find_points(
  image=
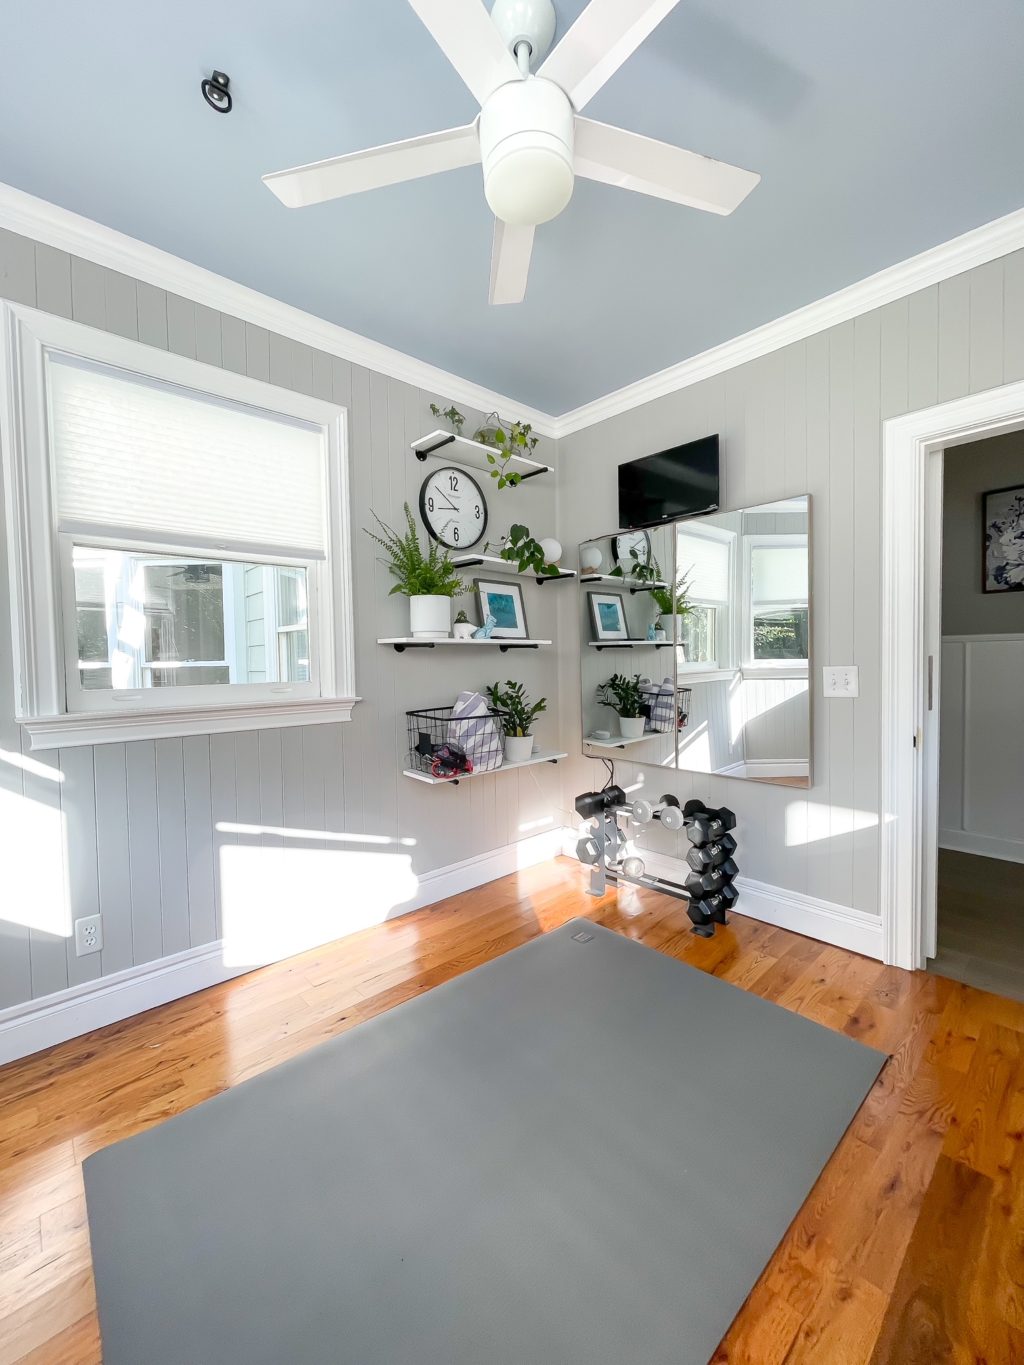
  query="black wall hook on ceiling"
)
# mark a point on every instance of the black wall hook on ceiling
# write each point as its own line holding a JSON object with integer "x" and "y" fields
{"x": 216, "y": 92}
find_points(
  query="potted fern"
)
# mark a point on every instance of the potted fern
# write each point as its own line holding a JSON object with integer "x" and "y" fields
{"x": 672, "y": 605}
{"x": 518, "y": 714}
{"x": 626, "y": 699}
{"x": 429, "y": 580}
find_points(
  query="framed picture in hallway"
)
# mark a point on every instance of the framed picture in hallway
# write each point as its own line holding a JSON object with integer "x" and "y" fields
{"x": 1003, "y": 545}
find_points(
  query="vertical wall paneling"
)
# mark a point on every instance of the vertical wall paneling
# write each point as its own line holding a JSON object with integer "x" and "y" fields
{"x": 170, "y": 795}
{"x": 181, "y": 326}
{"x": 144, "y": 850}
{"x": 152, "y": 306}
{"x": 1013, "y": 317}
{"x": 113, "y": 856}
{"x": 121, "y": 303}
{"x": 53, "y": 280}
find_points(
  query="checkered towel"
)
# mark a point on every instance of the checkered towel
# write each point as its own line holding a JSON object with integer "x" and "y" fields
{"x": 661, "y": 699}
{"x": 474, "y": 729}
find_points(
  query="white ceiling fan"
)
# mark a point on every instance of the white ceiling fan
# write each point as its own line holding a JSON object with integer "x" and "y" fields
{"x": 529, "y": 135}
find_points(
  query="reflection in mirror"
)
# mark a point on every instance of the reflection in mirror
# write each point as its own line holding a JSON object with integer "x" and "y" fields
{"x": 626, "y": 636}
{"x": 743, "y": 642}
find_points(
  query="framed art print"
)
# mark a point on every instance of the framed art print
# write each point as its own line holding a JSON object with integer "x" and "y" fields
{"x": 608, "y": 613}
{"x": 503, "y": 601}
{"x": 1003, "y": 539}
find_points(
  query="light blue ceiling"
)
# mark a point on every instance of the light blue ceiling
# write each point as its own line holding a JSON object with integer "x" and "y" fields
{"x": 880, "y": 129}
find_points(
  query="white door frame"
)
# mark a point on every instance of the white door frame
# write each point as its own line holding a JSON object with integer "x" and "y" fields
{"x": 911, "y": 630}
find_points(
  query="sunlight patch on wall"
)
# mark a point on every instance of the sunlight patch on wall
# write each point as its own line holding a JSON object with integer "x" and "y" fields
{"x": 32, "y": 862}
{"x": 276, "y": 902}
{"x": 808, "y": 822}
{"x": 31, "y": 765}
{"x": 321, "y": 835}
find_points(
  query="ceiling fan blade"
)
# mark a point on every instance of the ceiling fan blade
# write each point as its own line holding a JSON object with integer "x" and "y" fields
{"x": 368, "y": 170}
{"x": 510, "y": 262}
{"x": 466, "y": 34}
{"x": 605, "y": 34}
{"x": 634, "y": 162}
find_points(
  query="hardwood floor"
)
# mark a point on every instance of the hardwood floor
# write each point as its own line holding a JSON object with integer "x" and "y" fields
{"x": 981, "y": 922}
{"x": 908, "y": 1251}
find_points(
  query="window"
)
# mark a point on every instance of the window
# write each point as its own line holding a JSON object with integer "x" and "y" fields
{"x": 778, "y": 600}
{"x": 704, "y": 558}
{"x": 198, "y": 523}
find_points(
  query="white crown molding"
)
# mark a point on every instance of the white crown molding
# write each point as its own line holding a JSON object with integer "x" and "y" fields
{"x": 44, "y": 222}
{"x": 974, "y": 248}
{"x": 58, "y": 227}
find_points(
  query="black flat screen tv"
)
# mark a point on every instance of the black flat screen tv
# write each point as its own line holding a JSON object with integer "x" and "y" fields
{"x": 680, "y": 482}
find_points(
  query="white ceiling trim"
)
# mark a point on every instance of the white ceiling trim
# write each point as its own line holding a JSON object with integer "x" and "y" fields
{"x": 974, "y": 248}
{"x": 36, "y": 218}
{"x": 58, "y": 227}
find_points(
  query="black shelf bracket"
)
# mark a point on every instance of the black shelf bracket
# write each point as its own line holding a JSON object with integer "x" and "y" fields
{"x": 616, "y": 644}
{"x": 413, "y": 644}
{"x": 421, "y": 455}
{"x": 504, "y": 649}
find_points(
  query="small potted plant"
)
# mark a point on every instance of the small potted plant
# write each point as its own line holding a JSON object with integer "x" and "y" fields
{"x": 529, "y": 555}
{"x": 626, "y": 699}
{"x": 429, "y": 580}
{"x": 463, "y": 627}
{"x": 518, "y": 714}
{"x": 672, "y": 605}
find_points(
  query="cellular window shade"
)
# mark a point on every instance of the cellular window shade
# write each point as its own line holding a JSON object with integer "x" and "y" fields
{"x": 705, "y": 563}
{"x": 146, "y": 460}
{"x": 779, "y": 573}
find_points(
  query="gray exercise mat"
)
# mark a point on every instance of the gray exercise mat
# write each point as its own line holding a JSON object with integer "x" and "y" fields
{"x": 581, "y": 1153}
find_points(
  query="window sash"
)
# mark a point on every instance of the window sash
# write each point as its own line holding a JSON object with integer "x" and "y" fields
{"x": 82, "y": 700}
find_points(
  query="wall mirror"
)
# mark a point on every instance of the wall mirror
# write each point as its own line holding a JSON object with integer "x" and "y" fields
{"x": 714, "y": 616}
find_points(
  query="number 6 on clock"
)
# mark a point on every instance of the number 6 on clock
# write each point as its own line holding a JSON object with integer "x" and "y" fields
{"x": 453, "y": 508}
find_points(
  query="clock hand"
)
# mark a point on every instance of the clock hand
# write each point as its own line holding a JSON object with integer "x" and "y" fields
{"x": 450, "y": 505}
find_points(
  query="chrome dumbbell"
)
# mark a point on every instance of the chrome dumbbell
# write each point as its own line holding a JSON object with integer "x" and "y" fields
{"x": 666, "y": 811}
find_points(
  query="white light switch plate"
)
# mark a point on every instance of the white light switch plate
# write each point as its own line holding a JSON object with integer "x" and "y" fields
{"x": 841, "y": 680}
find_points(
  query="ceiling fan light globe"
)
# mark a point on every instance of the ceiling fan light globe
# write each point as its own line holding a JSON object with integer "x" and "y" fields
{"x": 528, "y": 185}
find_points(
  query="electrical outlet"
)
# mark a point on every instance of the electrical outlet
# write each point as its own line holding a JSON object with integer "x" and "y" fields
{"x": 841, "y": 680}
{"x": 88, "y": 935}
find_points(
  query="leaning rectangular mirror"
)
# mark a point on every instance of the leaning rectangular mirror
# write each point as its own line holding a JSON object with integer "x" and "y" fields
{"x": 626, "y": 666}
{"x": 744, "y": 643}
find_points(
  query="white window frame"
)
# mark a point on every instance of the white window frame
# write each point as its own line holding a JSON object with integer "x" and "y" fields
{"x": 725, "y": 626}
{"x": 40, "y": 558}
{"x": 768, "y": 668}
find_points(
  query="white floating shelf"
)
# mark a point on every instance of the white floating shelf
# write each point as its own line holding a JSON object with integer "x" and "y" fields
{"x": 616, "y": 581}
{"x": 629, "y": 644}
{"x": 473, "y": 453}
{"x": 541, "y": 756}
{"x": 503, "y": 566}
{"x": 617, "y": 742}
{"x": 400, "y": 642}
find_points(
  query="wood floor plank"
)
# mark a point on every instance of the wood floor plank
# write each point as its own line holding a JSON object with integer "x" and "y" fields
{"x": 909, "y": 1250}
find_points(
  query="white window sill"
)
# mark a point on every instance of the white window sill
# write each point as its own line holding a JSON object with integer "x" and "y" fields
{"x": 779, "y": 670}
{"x": 70, "y": 731}
{"x": 696, "y": 673}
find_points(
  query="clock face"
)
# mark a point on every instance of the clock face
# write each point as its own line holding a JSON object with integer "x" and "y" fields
{"x": 453, "y": 508}
{"x": 629, "y": 541}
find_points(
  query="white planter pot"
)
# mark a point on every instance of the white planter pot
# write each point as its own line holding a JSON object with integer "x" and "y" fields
{"x": 670, "y": 624}
{"x": 518, "y": 748}
{"x": 463, "y": 630}
{"x": 430, "y": 617}
{"x": 631, "y": 727}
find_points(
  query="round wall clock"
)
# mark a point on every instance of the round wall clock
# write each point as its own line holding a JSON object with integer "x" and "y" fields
{"x": 624, "y": 544}
{"x": 453, "y": 508}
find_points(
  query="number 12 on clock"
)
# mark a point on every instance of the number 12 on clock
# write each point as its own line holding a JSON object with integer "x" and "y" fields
{"x": 453, "y": 508}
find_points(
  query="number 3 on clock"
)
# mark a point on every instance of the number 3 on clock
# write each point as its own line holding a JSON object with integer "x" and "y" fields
{"x": 453, "y": 508}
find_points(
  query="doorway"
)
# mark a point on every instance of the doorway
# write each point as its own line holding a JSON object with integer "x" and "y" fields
{"x": 916, "y": 448}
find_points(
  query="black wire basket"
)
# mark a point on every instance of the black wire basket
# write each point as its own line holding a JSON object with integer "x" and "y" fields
{"x": 449, "y": 746}
{"x": 682, "y": 707}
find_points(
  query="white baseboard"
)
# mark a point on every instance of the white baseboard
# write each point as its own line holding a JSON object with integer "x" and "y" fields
{"x": 38, "y": 1024}
{"x": 984, "y": 845}
{"x": 842, "y": 925}
{"x": 766, "y": 767}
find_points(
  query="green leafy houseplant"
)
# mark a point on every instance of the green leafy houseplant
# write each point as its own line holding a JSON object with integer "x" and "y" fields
{"x": 640, "y": 570}
{"x": 672, "y": 601}
{"x": 623, "y": 695}
{"x": 419, "y": 575}
{"x": 515, "y": 705}
{"x": 521, "y": 549}
{"x": 508, "y": 439}
{"x": 451, "y": 415}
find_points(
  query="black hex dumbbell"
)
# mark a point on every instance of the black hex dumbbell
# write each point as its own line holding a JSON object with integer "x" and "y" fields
{"x": 716, "y": 906}
{"x": 709, "y": 855}
{"x": 700, "y": 884}
{"x": 705, "y": 826}
{"x": 701, "y": 918}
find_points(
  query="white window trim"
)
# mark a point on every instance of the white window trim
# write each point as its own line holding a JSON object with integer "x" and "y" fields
{"x": 720, "y": 667}
{"x": 37, "y": 631}
{"x": 767, "y": 668}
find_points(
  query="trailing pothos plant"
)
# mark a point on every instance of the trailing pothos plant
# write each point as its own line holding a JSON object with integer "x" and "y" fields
{"x": 508, "y": 439}
{"x": 418, "y": 574}
{"x": 518, "y": 711}
{"x": 623, "y": 695}
{"x": 520, "y": 548}
{"x": 455, "y": 419}
{"x": 640, "y": 570}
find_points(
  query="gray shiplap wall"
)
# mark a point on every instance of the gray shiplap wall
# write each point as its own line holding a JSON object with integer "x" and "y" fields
{"x": 808, "y": 419}
{"x": 140, "y": 820}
